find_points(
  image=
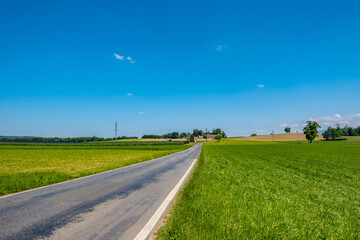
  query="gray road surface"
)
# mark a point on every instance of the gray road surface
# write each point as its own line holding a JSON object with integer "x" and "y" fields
{"x": 112, "y": 205}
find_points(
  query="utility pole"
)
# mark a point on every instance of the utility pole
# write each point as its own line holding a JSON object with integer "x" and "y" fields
{"x": 206, "y": 134}
{"x": 115, "y": 131}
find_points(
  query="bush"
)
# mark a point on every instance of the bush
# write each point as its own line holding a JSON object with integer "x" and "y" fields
{"x": 218, "y": 137}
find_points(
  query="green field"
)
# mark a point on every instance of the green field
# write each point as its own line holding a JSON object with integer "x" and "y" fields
{"x": 352, "y": 138}
{"x": 266, "y": 190}
{"x": 26, "y": 166}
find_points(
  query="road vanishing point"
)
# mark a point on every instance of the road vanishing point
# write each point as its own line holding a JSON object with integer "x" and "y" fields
{"x": 123, "y": 203}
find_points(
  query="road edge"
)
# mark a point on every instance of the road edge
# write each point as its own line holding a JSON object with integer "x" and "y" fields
{"x": 149, "y": 228}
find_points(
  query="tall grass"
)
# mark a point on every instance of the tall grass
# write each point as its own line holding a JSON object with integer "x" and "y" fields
{"x": 257, "y": 190}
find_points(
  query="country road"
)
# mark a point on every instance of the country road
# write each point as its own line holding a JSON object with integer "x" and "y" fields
{"x": 112, "y": 205}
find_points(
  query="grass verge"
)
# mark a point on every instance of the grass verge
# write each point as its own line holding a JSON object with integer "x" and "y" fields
{"x": 257, "y": 190}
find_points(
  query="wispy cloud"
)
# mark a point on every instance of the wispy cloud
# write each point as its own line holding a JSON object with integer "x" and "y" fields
{"x": 129, "y": 94}
{"x": 284, "y": 125}
{"x": 294, "y": 125}
{"x": 221, "y": 47}
{"x": 337, "y": 118}
{"x": 118, "y": 56}
{"x": 141, "y": 113}
{"x": 260, "y": 86}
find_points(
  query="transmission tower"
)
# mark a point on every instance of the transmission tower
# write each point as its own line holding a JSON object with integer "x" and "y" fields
{"x": 115, "y": 130}
{"x": 206, "y": 134}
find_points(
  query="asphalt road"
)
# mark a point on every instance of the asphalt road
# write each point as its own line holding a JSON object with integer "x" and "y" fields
{"x": 111, "y": 205}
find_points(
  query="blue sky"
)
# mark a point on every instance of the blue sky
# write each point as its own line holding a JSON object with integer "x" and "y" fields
{"x": 244, "y": 66}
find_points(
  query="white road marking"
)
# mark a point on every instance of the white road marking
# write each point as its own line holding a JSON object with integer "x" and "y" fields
{"x": 144, "y": 233}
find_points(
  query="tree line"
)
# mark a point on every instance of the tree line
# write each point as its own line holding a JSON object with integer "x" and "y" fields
{"x": 338, "y": 132}
{"x": 195, "y": 133}
{"x": 61, "y": 140}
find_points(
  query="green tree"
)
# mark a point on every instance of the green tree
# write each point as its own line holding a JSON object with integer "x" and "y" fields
{"x": 175, "y": 135}
{"x": 218, "y": 131}
{"x": 287, "y": 130}
{"x": 253, "y": 135}
{"x": 192, "y": 138}
{"x": 310, "y": 130}
{"x": 196, "y": 132}
{"x": 183, "y": 134}
{"x": 218, "y": 137}
{"x": 339, "y": 130}
{"x": 326, "y": 134}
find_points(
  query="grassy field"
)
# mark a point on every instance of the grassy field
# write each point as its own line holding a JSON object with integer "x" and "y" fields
{"x": 28, "y": 166}
{"x": 267, "y": 190}
{"x": 352, "y": 138}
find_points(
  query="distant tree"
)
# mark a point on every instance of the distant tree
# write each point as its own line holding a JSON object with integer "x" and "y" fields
{"x": 339, "y": 130}
{"x": 175, "y": 135}
{"x": 192, "y": 138}
{"x": 326, "y": 134}
{"x": 196, "y": 132}
{"x": 332, "y": 133}
{"x": 183, "y": 134}
{"x": 310, "y": 130}
{"x": 287, "y": 130}
{"x": 253, "y": 135}
{"x": 218, "y": 137}
{"x": 218, "y": 131}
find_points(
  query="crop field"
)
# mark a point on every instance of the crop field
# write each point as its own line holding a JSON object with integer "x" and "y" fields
{"x": 26, "y": 166}
{"x": 279, "y": 137}
{"x": 270, "y": 190}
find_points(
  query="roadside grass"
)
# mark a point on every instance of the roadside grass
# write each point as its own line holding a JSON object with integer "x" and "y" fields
{"x": 270, "y": 190}
{"x": 24, "y": 167}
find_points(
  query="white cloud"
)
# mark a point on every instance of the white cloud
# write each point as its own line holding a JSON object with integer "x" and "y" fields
{"x": 132, "y": 61}
{"x": 284, "y": 125}
{"x": 129, "y": 94}
{"x": 118, "y": 56}
{"x": 260, "y": 85}
{"x": 129, "y": 58}
{"x": 220, "y": 47}
{"x": 141, "y": 113}
{"x": 294, "y": 125}
{"x": 337, "y": 118}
